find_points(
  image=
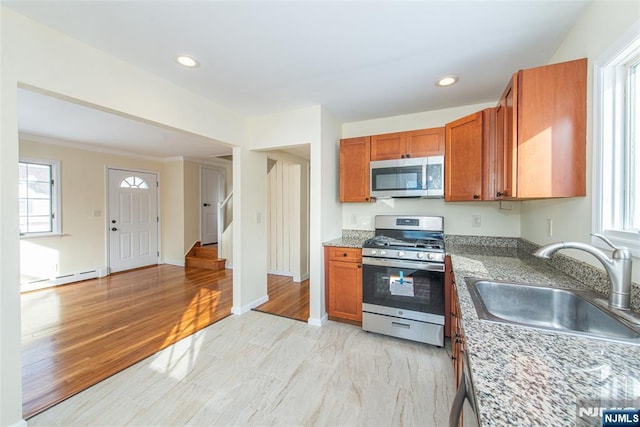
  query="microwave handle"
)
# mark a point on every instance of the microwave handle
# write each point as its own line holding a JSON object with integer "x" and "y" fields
{"x": 424, "y": 176}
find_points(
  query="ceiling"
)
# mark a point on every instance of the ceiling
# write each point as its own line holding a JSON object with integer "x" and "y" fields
{"x": 359, "y": 59}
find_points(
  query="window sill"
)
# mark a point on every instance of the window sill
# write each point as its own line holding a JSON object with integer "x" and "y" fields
{"x": 39, "y": 235}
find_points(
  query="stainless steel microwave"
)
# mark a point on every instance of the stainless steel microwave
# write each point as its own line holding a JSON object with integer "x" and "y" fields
{"x": 412, "y": 177}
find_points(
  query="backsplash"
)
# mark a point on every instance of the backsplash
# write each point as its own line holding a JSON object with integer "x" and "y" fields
{"x": 357, "y": 234}
{"x": 496, "y": 242}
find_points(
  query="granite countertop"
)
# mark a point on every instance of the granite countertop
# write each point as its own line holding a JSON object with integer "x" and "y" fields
{"x": 345, "y": 242}
{"x": 529, "y": 377}
{"x": 351, "y": 239}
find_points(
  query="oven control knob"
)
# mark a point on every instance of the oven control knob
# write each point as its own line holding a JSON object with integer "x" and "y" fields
{"x": 400, "y": 254}
{"x": 420, "y": 255}
{"x": 431, "y": 256}
{"x": 374, "y": 251}
{"x": 383, "y": 252}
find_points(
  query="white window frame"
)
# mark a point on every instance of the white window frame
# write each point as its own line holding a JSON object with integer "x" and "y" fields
{"x": 56, "y": 223}
{"x": 609, "y": 146}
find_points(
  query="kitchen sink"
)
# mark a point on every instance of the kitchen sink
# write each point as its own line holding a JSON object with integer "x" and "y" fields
{"x": 570, "y": 311}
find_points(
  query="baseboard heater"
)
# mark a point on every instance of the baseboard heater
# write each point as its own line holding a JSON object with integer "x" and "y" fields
{"x": 63, "y": 279}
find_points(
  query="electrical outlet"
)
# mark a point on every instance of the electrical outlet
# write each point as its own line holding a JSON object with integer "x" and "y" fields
{"x": 476, "y": 220}
{"x": 549, "y": 227}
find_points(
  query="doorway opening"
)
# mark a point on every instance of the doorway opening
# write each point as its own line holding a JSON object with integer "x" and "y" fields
{"x": 212, "y": 192}
{"x": 288, "y": 234}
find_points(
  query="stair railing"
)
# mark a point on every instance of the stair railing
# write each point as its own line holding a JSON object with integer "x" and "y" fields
{"x": 221, "y": 210}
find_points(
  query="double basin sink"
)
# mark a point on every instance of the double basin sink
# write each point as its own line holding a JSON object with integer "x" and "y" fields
{"x": 569, "y": 311}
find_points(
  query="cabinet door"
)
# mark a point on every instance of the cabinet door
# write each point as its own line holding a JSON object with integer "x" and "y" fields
{"x": 389, "y": 146}
{"x": 463, "y": 158}
{"x": 354, "y": 169}
{"x": 551, "y": 109}
{"x": 506, "y": 134}
{"x": 345, "y": 290}
{"x": 425, "y": 142}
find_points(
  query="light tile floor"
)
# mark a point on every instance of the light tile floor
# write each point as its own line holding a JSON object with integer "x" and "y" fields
{"x": 259, "y": 369}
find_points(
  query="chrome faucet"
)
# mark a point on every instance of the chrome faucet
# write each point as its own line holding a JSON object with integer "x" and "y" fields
{"x": 618, "y": 267}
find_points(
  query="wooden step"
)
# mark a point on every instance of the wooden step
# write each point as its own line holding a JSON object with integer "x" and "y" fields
{"x": 207, "y": 263}
{"x": 208, "y": 252}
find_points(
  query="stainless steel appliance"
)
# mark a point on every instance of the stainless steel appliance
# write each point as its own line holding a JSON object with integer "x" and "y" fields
{"x": 412, "y": 177}
{"x": 403, "y": 278}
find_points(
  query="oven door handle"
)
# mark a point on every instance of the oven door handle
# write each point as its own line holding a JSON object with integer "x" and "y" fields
{"x": 416, "y": 265}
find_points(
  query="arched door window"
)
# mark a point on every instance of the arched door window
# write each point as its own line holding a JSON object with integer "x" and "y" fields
{"x": 134, "y": 182}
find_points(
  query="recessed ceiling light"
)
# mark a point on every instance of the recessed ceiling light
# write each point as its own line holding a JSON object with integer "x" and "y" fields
{"x": 446, "y": 81}
{"x": 187, "y": 61}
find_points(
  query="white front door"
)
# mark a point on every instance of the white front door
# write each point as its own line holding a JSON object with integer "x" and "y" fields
{"x": 212, "y": 191}
{"x": 133, "y": 219}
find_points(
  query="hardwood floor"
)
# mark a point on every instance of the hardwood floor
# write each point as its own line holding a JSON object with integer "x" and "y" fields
{"x": 75, "y": 336}
{"x": 286, "y": 298}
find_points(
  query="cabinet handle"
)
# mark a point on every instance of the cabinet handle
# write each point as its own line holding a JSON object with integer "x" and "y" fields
{"x": 407, "y": 155}
{"x": 500, "y": 194}
{"x": 359, "y": 265}
{"x": 453, "y": 357}
{"x": 402, "y": 156}
{"x": 453, "y": 314}
{"x": 344, "y": 254}
{"x": 366, "y": 199}
{"x": 476, "y": 197}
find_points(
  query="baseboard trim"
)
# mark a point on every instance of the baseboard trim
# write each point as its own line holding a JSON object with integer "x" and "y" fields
{"x": 301, "y": 278}
{"x": 314, "y": 321}
{"x": 21, "y": 423}
{"x": 246, "y": 308}
{"x": 295, "y": 278}
{"x": 174, "y": 262}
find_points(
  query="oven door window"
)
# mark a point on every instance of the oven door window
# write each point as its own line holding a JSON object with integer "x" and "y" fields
{"x": 397, "y": 178}
{"x": 404, "y": 288}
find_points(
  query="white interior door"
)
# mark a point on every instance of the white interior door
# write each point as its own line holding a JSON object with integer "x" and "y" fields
{"x": 212, "y": 191}
{"x": 133, "y": 219}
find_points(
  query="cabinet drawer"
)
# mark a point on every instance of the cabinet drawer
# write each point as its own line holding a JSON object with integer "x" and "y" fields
{"x": 345, "y": 254}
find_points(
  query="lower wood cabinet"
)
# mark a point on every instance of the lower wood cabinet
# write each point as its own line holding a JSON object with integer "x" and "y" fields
{"x": 343, "y": 283}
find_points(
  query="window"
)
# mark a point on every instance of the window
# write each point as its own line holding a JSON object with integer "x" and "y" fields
{"x": 38, "y": 197}
{"x": 617, "y": 143}
{"x": 134, "y": 182}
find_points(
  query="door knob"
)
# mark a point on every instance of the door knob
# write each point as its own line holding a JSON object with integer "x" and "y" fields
{"x": 113, "y": 221}
{"x": 207, "y": 204}
{"x": 114, "y": 229}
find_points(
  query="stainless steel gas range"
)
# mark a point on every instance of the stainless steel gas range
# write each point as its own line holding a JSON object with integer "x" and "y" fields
{"x": 403, "y": 278}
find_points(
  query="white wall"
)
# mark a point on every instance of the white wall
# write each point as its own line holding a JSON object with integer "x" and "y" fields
{"x": 286, "y": 129}
{"x": 600, "y": 26}
{"x": 10, "y": 365}
{"x": 326, "y": 210}
{"x": 494, "y": 220}
{"x": 250, "y": 238}
{"x": 173, "y": 212}
{"x": 191, "y": 190}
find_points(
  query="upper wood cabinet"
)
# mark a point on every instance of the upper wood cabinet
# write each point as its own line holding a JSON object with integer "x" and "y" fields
{"x": 542, "y": 132}
{"x": 469, "y": 155}
{"x": 400, "y": 145}
{"x": 504, "y": 142}
{"x": 354, "y": 169}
